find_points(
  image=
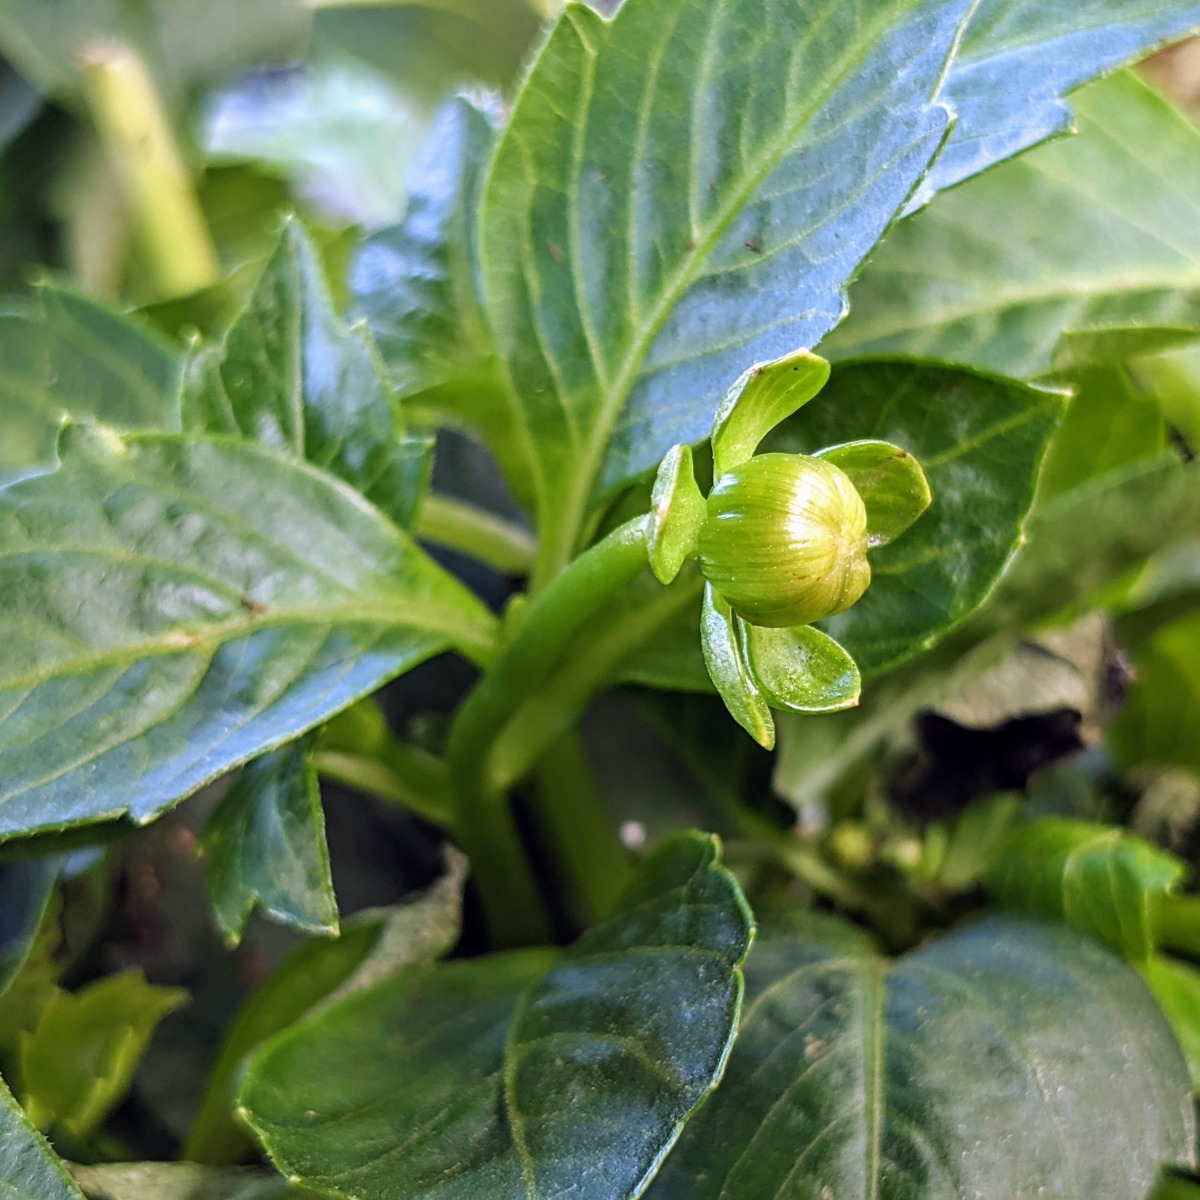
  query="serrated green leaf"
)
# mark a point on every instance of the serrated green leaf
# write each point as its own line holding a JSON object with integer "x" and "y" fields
{"x": 26, "y": 887}
{"x": 684, "y": 191}
{"x": 1099, "y": 878}
{"x": 534, "y": 1079}
{"x": 1039, "y": 264}
{"x": 913, "y": 1079}
{"x": 1018, "y": 61}
{"x": 182, "y": 1181}
{"x": 980, "y": 442}
{"x": 721, "y": 643}
{"x": 677, "y": 511}
{"x": 373, "y": 944}
{"x": 173, "y": 607}
{"x": 890, "y": 481}
{"x": 71, "y": 357}
{"x": 800, "y": 669}
{"x": 760, "y": 399}
{"x": 77, "y": 1063}
{"x": 29, "y": 1169}
{"x": 266, "y": 847}
{"x": 291, "y": 375}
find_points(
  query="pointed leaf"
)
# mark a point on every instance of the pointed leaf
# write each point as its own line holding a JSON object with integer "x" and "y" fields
{"x": 1083, "y": 251}
{"x": 29, "y": 1169}
{"x": 981, "y": 443}
{"x": 78, "y": 1062}
{"x": 891, "y": 483}
{"x": 721, "y": 643}
{"x": 534, "y": 1079}
{"x": 912, "y": 1079}
{"x": 70, "y": 357}
{"x": 677, "y": 511}
{"x": 762, "y": 398}
{"x": 171, "y": 607}
{"x": 266, "y": 847}
{"x": 1020, "y": 58}
{"x": 684, "y": 191}
{"x": 800, "y": 669}
{"x": 290, "y": 375}
{"x": 1102, "y": 879}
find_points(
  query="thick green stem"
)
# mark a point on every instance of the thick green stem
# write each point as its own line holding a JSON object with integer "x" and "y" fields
{"x": 580, "y": 830}
{"x": 547, "y": 628}
{"x": 137, "y": 134}
{"x": 474, "y": 531}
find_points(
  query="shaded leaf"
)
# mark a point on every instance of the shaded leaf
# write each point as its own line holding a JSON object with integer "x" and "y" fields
{"x": 980, "y": 442}
{"x": 71, "y": 357}
{"x": 173, "y": 607}
{"x": 292, "y": 376}
{"x": 1097, "y": 877}
{"x": 181, "y": 1181}
{"x": 535, "y": 1079}
{"x": 266, "y": 847}
{"x": 675, "y": 198}
{"x": 1020, "y": 58}
{"x": 26, "y": 887}
{"x": 29, "y": 1169}
{"x": 1084, "y": 251}
{"x": 78, "y": 1061}
{"x": 914, "y": 1078}
{"x": 373, "y": 944}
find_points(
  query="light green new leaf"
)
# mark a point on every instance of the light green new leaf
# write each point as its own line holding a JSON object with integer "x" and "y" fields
{"x": 891, "y": 483}
{"x": 1020, "y": 58}
{"x": 918, "y": 1078}
{"x": 1099, "y": 878}
{"x": 77, "y": 1063}
{"x": 725, "y": 658}
{"x": 801, "y": 669}
{"x": 1176, "y": 987}
{"x": 29, "y": 1169}
{"x": 173, "y": 607}
{"x": 512, "y": 1076}
{"x": 291, "y": 375}
{"x": 680, "y": 193}
{"x": 1086, "y": 250}
{"x": 980, "y": 442}
{"x": 266, "y": 847}
{"x": 677, "y": 510}
{"x": 70, "y": 357}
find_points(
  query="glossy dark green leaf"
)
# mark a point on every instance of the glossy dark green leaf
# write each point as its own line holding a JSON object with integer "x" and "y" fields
{"x": 182, "y": 1181}
{"x": 684, "y": 191}
{"x": 78, "y": 1061}
{"x": 890, "y": 481}
{"x": 801, "y": 669}
{"x": 512, "y": 1076}
{"x": 762, "y": 398}
{"x": 186, "y": 44}
{"x": 266, "y": 847}
{"x": 373, "y": 944}
{"x": 1099, "y": 878}
{"x": 677, "y": 510}
{"x": 29, "y": 1169}
{"x": 26, "y": 886}
{"x": 1020, "y": 58}
{"x": 1083, "y": 251}
{"x": 917, "y": 1078}
{"x": 172, "y": 607}
{"x": 70, "y": 357}
{"x": 724, "y": 656}
{"x": 980, "y": 442}
{"x": 291, "y": 375}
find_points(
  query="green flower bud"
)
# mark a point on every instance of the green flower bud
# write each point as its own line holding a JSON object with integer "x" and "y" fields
{"x": 784, "y": 540}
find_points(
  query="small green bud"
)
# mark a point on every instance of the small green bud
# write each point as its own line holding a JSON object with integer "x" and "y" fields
{"x": 785, "y": 540}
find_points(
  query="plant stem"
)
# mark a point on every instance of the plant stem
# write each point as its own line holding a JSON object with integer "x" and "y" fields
{"x": 415, "y": 785}
{"x": 137, "y": 133}
{"x": 548, "y": 625}
{"x": 581, "y": 832}
{"x": 475, "y": 531}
